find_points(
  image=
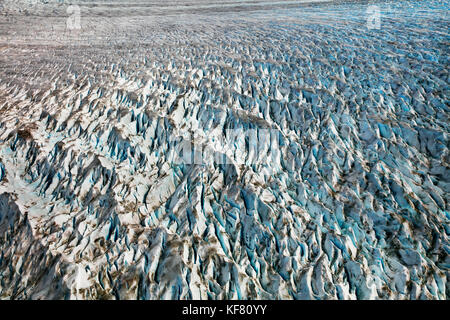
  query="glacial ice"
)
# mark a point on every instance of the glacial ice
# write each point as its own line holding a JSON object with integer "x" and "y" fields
{"x": 283, "y": 151}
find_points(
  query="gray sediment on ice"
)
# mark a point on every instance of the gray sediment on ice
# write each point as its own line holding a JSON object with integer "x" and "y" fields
{"x": 352, "y": 204}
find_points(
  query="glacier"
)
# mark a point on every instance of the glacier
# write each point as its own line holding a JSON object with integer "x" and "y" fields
{"x": 238, "y": 150}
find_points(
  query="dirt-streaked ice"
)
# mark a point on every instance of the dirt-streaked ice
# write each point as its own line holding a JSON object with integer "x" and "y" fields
{"x": 319, "y": 150}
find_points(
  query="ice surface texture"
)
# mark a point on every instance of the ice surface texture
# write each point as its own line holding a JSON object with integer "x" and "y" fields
{"x": 354, "y": 203}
